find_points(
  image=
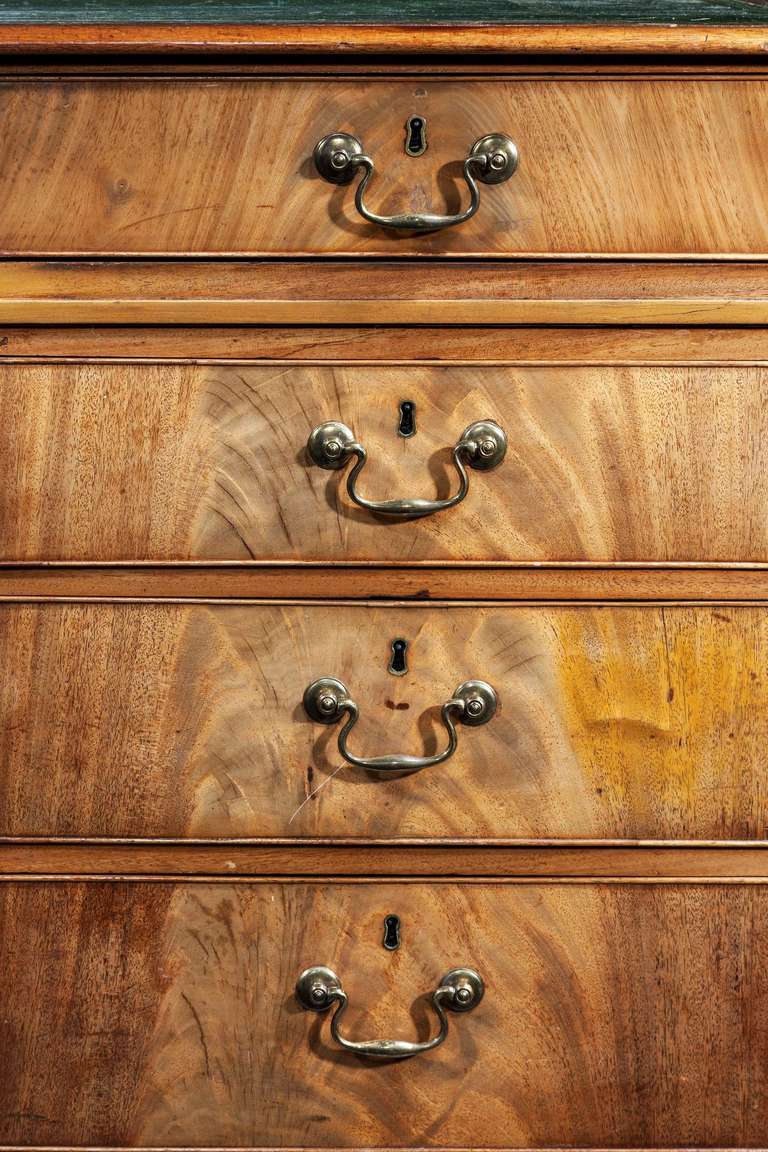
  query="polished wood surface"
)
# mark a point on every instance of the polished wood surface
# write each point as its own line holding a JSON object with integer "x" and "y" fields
{"x": 558, "y": 37}
{"x": 184, "y": 166}
{"x": 177, "y": 839}
{"x": 172, "y": 462}
{"x": 389, "y": 345}
{"x": 186, "y": 720}
{"x": 614, "y": 1015}
{"x": 533, "y": 582}
{"x": 384, "y": 292}
{"x": 441, "y": 861}
{"x": 386, "y": 282}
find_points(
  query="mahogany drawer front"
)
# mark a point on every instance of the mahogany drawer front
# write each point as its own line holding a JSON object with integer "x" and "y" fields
{"x": 629, "y": 165}
{"x": 177, "y": 720}
{"x": 613, "y": 1015}
{"x": 210, "y": 462}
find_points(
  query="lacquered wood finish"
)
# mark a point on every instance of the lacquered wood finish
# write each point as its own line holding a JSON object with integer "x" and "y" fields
{"x": 390, "y": 283}
{"x": 173, "y": 462}
{"x": 741, "y": 34}
{"x": 385, "y": 345}
{"x": 177, "y": 839}
{"x": 442, "y": 862}
{"x": 383, "y": 293}
{"x": 365, "y": 581}
{"x": 190, "y": 167}
{"x": 173, "y": 720}
{"x": 614, "y": 1015}
{"x": 637, "y": 346}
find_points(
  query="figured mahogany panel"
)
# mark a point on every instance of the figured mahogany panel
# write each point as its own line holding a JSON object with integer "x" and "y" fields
{"x": 186, "y": 720}
{"x": 614, "y": 1016}
{"x": 209, "y": 462}
{"x": 224, "y": 166}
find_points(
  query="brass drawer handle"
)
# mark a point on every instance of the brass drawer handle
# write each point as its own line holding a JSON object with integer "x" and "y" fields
{"x": 326, "y": 700}
{"x": 482, "y": 446}
{"x": 319, "y": 988}
{"x": 492, "y": 160}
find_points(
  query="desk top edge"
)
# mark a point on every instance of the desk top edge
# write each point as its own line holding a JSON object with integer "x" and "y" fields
{"x": 411, "y": 40}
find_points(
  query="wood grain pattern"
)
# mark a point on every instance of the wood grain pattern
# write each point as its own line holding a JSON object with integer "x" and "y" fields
{"x": 110, "y": 166}
{"x": 398, "y": 293}
{"x": 443, "y": 860}
{"x": 68, "y": 40}
{"x": 614, "y": 1015}
{"x": 383, "y": 344}
{"x": 171, "y": 462}
{"x": 716, "y": 310}
{"x": 532, "y": 583}
{"x": 390, "y": 282}
{"x": 185, "y": 720}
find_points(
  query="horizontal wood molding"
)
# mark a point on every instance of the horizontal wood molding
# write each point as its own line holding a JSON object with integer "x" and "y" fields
{"x": 373, "y": 581}
{"x": 432, "y": 280}
{"x": 348, "y": 39}
{"x": 20, "y": 310}
{"x": 371, "y": 292}
{"x": 389, "y": 345}
{"x": 443, "y": 860}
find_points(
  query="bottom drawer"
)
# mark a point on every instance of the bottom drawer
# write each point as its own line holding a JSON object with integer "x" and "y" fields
{"x": 163, "y": 1014}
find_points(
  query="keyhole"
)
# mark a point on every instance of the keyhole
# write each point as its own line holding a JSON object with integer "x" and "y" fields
{"x": 391, "y": 933}
{"x": 415, "y": 136}
{"x": 397, "y": 665}
{"x": 407, "y": 425}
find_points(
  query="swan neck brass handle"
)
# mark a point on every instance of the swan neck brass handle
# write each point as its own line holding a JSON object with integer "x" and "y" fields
{"x": 482, "y": 446}
{"x": 492, "y": 159}
{"x": 319, "y": 988}
{"x": 327, "y": 700}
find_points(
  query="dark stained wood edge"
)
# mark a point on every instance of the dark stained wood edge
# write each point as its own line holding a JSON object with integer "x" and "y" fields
{"x": 179, "y": 1148}
{"x": 503, "y": 39}
{"x": 436, "y": 859}
{"x": 378, "y": 582}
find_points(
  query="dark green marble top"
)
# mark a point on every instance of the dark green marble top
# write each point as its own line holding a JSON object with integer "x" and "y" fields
{"x": 386, "y": 11}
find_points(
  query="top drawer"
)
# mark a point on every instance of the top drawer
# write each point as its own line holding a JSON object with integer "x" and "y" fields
{"x": 179, "y": 166}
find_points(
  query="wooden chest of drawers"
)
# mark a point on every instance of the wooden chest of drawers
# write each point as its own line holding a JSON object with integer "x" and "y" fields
{"x": 383, "y": 588}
